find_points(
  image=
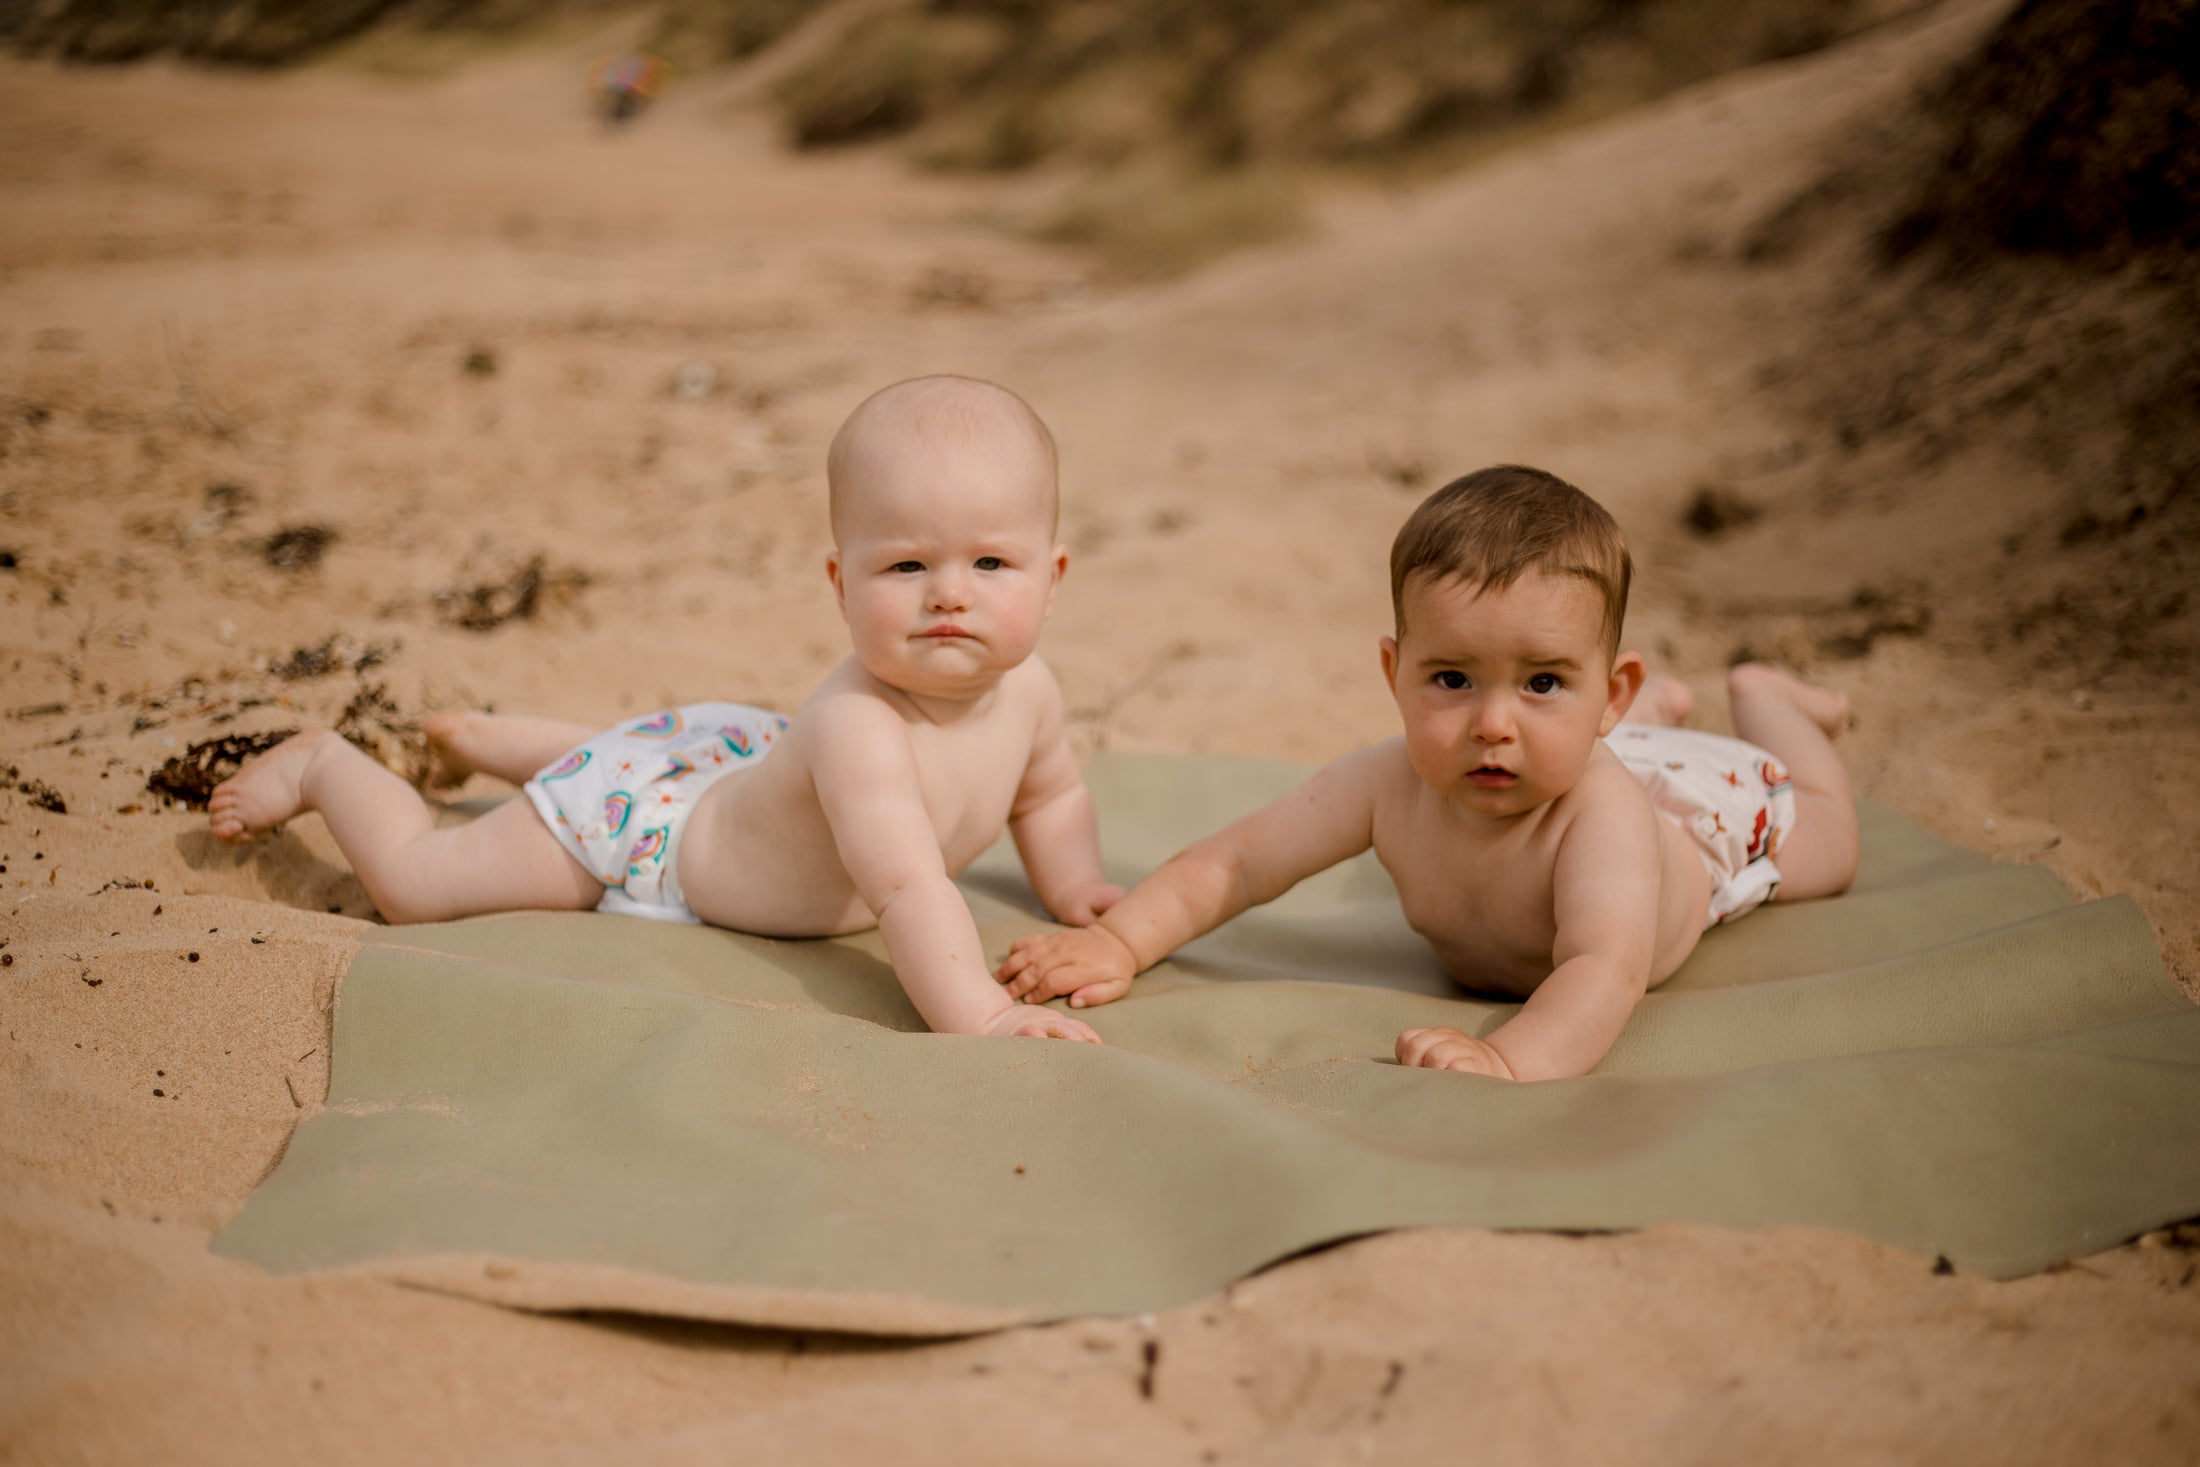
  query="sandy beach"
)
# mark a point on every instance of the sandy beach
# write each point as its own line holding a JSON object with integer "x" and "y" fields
{"x": 329, "y": 397}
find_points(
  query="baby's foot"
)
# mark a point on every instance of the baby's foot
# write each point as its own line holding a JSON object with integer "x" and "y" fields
{"x": 1664, "y": 700}
{"x": 448, "y": 766}
{"x": 1826, "y": 707}
{"x": 266, "y": 791}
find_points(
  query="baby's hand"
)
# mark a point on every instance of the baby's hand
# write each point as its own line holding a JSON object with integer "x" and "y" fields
{"x": 1089, "y": 964}
{"x": 1446, "y": 1048}
{"x": 1082, "y": 909}
{"x": 1023, "y": 1021}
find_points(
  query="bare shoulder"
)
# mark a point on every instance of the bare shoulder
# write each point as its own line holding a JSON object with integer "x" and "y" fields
{"x": 849, "y": 710}
{"x": 1381, "y": 774}
{"x": 1606, "y": 803}
{"x": 1031, "y": 686}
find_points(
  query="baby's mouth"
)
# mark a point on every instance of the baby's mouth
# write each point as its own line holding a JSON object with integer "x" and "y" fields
{"x": 1490, "y": 777}
{"x": 947, "y": 631}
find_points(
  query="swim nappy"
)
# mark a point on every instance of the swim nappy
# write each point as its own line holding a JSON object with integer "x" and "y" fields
{"x": 618, "y": 803}
{"x": 1733, "y": 799}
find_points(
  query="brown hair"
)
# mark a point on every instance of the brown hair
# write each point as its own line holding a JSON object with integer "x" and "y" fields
{"x": 1495, "y": 525}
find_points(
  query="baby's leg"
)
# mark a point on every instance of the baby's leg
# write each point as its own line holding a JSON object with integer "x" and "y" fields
{"x": 506, "y": 861}
{"x": 1796, "y": 722}
{"x": 1664, "y": 701}
{"x": 513, "y": 748}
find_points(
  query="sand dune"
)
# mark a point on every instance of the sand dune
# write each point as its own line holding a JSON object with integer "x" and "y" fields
{"x": 449, "y": 324}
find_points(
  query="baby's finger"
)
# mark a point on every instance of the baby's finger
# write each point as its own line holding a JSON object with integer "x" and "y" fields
{"x": 1107, "y": 990}
{"x": 1414, "y": 1045}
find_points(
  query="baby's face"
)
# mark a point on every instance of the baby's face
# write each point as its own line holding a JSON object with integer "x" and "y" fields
{"x": 946, "y": 567}
{"x": 1504, "y": 693}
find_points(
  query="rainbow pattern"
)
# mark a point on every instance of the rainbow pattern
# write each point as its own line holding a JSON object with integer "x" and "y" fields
{"x": 737, "y": 739}
{"x": 617, "y": 806}
{"x": 678, "y": 767}
{"x": 647, "y": 848}
{"x": 662, "y": 726}
{"x": 572, "y": 763}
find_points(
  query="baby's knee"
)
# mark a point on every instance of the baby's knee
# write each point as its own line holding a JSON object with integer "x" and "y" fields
{"x": 449, "y": 726}
{"x": 1744, "y": 678}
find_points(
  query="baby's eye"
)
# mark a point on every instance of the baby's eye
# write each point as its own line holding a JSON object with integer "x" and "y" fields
{"x": 1544, "y": 682}
{"x": 908, "y": 567}
{"x": 1453, "y": 679}
{"x": 991, "y": 562}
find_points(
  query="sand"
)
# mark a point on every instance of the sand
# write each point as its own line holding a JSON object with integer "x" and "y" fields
{"x": 460, "y": 327}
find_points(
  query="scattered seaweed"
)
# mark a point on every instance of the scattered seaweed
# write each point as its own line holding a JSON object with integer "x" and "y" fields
{"x": 374, "y": 723}
{"x": 1713, "y": 512}
{"x": 485, "y": 605}
{"x": 41, "y": 794}
{"x": 331, "y": 655}
{"x": 298, "y": 547}
{"x": 190, "y": 777}
{"x": 227, "y": 499}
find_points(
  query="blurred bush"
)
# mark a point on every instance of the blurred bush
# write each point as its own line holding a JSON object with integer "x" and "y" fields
{"x": 259, "y": 32}
{"x": 245, "y": 32}
{"x": 2075, "y": 131}
{"x": 1003, "y": 83}
{"x": 1178, "y": 126}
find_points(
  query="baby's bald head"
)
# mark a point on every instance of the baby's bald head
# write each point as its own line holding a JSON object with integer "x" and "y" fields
{"x": 935, "y": 415}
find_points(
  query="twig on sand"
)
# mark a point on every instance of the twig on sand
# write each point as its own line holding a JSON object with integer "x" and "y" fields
{"x": 1102, "y": 714}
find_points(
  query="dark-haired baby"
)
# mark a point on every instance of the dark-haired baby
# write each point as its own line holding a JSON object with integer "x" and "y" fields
{"x": 1552, "y": 831}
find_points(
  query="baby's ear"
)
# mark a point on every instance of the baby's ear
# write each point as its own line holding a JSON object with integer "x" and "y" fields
{"x": 1628, "y": 672}
{"x": 1388, "y": 646}
{"x": 1060, "y": 561}
{"x": 832, "y": 573}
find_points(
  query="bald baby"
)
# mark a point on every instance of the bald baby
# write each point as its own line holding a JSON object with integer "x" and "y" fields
{"x": 940, "y": 728}
{"x": 936, "y": 422}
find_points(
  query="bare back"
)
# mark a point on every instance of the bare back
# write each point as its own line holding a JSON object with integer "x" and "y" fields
{"x": 759, "y": 855}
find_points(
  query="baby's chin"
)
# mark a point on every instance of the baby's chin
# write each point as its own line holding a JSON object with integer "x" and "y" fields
{"x": 956, "y": 669}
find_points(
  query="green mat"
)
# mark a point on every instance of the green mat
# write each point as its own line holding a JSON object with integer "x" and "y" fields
{"x": 566, "y": 1111}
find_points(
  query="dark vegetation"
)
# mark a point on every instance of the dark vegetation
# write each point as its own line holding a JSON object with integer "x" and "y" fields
{"x": 232, "y": 32}
{"x": 2073, "y": 133}
{"x": 2028, "y": 281}
{"x": 1182, "y": 125}
{"x": 1187, "y": 122}
{"x": 190, "y": 777}
{"x": 1232, "y": 82}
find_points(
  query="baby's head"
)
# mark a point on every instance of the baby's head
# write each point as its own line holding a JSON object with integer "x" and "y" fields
{"x": 944, "y": 507}
{"x": 1509, "y": 588}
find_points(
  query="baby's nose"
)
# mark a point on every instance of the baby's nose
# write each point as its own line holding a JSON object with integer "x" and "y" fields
{"x": 948, "y": 592}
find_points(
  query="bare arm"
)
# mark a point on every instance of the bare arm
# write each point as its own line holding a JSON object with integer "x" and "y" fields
{"x": 865, "y": 773}
{"x": 1605, "y": 887}
{"x": 1054, "y": 827}
{"x": 1328, "y": 819}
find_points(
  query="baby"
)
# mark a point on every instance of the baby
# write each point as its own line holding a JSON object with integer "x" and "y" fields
{"x": 1544, "y": 847}
{"x": 895, "y": 774}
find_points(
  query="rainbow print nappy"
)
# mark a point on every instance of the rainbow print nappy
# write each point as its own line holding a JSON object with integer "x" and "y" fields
{"x": 618, "y": 802}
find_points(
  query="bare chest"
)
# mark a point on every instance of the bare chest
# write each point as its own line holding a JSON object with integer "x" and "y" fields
{"x": 1483, "y": 902}
{"x": 969, "y": 778}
